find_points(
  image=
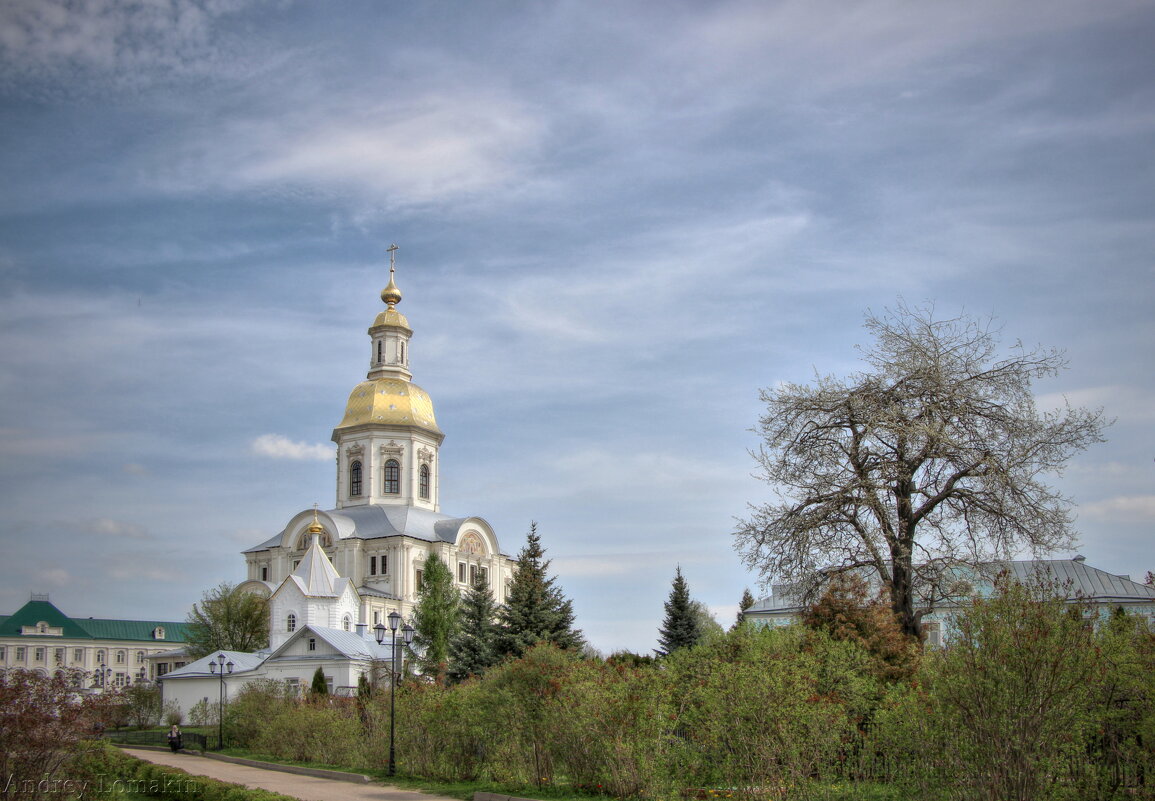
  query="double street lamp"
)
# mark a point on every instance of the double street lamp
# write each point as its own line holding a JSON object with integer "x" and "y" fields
{"x": 379, "y": 635}
{"x": 213, "y": 664}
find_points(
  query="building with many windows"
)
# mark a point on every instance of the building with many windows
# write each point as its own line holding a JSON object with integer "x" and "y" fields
{"x": 110, "y": 653}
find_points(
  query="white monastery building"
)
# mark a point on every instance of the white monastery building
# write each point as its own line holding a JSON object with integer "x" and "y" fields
{"x": 332, "y": 575}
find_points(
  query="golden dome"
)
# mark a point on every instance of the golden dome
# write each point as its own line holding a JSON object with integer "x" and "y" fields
{"x": 391, "y": 294}
{"x": 389, "y": 401}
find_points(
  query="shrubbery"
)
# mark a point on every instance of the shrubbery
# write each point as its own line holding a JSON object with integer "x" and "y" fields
{"x": 1029, "y": 701}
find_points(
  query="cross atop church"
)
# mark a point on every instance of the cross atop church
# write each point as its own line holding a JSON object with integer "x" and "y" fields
{"x": 392, "y": 251}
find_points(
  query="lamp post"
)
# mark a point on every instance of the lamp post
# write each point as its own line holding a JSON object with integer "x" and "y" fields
{"x": 379, "y": 635}
{"x": 102, "y": 674}
{"x": 220, "y": 661}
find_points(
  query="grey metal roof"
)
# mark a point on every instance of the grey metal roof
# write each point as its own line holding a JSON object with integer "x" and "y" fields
{"x": 242, "y": 663}
{"x": 347, "y": 643}
{"x": 373, "y": 522}
{"x": 1082, "y": 580}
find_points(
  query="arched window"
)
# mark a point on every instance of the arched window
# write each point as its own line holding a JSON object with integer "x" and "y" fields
{"x": 392, "y": 477}
{"x": 121, "y": 657}
{"x": 355, "y": 480}
{"x": 378, "y": 351}
{"x": 346, "y": 622}
{"x": 291, "y": 622}
{"x": 100, "y": 657}
{"x": 423, "y": 474}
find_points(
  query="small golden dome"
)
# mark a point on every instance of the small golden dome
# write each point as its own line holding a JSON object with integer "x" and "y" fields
{"x": 389, "y": 402}
{"x": 315, "y": 527}
{"x": 391, "y": 294}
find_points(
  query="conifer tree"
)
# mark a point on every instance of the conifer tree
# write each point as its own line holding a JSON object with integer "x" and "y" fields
{"x": 535, "y": 609}
{"x": 746, "y": 602}
{"x": 319, "y": 686}
{"x": 473, "y": 650}
{"x": 680, "y": 628}
{"x": 435, "y": 618}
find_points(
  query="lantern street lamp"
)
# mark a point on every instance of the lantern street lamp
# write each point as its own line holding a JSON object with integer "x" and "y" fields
{"x": 220, "y": 660}
{"x": 379, "y": 635}
{"x": 102, "y": 674}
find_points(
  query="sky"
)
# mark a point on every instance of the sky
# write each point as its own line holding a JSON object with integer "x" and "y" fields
{"x": 617, "y": 223}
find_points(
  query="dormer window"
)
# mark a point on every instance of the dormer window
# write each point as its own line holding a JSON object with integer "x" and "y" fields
{"x": 355, "y": 480}
{"x": 158, "y": 633}
{"x": 392, "y": 484}
{"x": 346, "y": 623}
{"x": 423, "y": 481}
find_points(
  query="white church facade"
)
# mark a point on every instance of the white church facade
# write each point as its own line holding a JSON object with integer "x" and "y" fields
{"x": 332, "y": 576}
{"x": 387, "y": 516}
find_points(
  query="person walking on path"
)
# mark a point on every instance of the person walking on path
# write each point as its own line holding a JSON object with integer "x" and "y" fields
{"x": 174, "y": 738}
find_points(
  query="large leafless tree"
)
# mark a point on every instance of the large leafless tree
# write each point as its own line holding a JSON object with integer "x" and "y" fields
{"x": 934, "y": 456}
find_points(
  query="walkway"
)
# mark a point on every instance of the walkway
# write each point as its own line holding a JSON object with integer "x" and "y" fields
{"x": 307, "y": 788}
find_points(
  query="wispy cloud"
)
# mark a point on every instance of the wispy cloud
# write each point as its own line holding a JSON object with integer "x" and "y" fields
{"x": 106, "y": 527}
{"x": 276, "y": 446}
{"x": 1124, "y": 509}
{"x": 126, "y": 41}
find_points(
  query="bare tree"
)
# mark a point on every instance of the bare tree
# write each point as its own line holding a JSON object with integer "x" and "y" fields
{"x": 931, "y": 458}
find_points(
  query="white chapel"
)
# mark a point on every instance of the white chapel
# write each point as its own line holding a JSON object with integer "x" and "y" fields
{"x": 348, "y": 567}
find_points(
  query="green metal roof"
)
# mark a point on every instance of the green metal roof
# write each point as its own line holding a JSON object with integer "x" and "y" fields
{"x": 35, "y": 612}
{"x": 38, "y": 611}
{"x": 104, "y": 629}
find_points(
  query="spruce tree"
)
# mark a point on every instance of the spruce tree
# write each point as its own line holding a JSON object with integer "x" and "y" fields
{"x": 746, "y": 602}
{"x": 319, "y": 686}
{"x": 435, "y": 618}
{"x": 535, "y": 609}
{"x": 473, "y": 650}
{"x": 681, "y": 628}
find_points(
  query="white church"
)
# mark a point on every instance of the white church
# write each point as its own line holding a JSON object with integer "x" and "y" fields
{"x": 333, "y": 575}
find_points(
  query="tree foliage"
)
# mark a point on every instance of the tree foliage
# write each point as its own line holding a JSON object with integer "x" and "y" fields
{"x": 680, "y": 627}
{"x": 535, "y": 609}
{"x": 847, "y": 612}
{"x": 319, "y": 686}
{"x": 473, "y": 649}
{"x": 227, "y": 619}
{"x": 435, "y": 618}
{"x": 42, "y": 725}
{"x": 745, "y": 603}
{"x": 933, "y": 456}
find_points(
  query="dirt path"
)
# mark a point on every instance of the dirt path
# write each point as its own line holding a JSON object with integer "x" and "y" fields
{"x": 306, "y": 788}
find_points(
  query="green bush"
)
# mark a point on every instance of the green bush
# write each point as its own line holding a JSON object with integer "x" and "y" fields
{"x": 322, "y": 731}
{"x": 254, "y": 707}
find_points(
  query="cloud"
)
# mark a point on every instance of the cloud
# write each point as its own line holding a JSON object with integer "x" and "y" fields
{"x": 439, "y": 146}
{"x": 1127, "y": 403}
{"x": 107, "y": 527}
{"x": 131, "y": 41}
{"x": 134, "y": 469}
{"x": 1124, "y": 509}
{"x": 55, "y": 577}
{"x": 276, "y": 446}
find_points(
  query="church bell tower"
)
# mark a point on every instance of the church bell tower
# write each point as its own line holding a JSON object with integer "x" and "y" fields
{"x": 388, "y": 440}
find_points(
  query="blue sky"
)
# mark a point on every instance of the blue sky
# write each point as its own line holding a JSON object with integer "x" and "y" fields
{"x": 617, "y": 222}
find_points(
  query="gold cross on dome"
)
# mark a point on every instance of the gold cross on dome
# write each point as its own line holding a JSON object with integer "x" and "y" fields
{"x": 392, "y": 251}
